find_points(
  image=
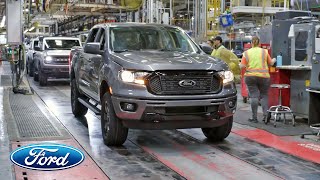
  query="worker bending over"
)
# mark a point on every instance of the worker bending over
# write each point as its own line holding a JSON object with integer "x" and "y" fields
{"x": 227, "y": 56}
{"x": 257, "y": 61}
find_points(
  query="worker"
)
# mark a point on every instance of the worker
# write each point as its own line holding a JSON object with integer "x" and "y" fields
{"x": 217, "y": 45}
{"x": 257, "y": 78}
{"x": 227, "y": 56}
{"x": 210, "y": 43}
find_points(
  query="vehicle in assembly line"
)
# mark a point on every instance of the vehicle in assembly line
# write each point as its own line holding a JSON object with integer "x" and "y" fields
{"x": 30, "y": 55}
{"x": 51, "y": 58}
{"x": 150, "y": 76}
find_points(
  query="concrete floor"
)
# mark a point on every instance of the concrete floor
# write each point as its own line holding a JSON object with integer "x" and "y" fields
{"x": 168, "y": 154}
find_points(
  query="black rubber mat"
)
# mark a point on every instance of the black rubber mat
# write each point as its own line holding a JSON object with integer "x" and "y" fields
{"x": 30, "y": 120}
{"x": 242, "y": 116}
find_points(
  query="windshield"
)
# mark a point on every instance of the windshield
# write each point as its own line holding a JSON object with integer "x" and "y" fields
{"x": 61, "y": 43}
{"x": 139, "y": 38}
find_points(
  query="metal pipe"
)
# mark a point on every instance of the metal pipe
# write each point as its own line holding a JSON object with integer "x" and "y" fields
{"x": 285, "y": 5}
{"x": 189, "y": 15}
{"x": 151, "y": 11}
{"x": 171, "y": 12}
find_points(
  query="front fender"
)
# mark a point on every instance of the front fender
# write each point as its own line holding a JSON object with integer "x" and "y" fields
{"x": 109, "y": 73}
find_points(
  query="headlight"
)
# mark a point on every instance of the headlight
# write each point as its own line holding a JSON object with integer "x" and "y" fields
{"x": 227, "y": 76}
{"x": 133, "y": 77}
{"x": 48, "y": 59}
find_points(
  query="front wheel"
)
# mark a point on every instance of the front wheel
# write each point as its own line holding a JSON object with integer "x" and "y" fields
{"x": 217, "y": 134}
{"x": 113, "y": 132}
{"x": 36, "y": 74}
{"x": 30, "y": 69}
{"x": 43, "y": 79}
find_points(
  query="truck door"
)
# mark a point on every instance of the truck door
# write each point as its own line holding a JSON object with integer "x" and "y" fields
{"x": 85, "y": 66}
{"x": 96, "y": 64}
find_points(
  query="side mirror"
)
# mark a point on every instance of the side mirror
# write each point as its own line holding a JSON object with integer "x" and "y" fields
{"x": 207, "y": 49}
{"x": 37, "y": 48}
{"x": 92, "y": 48}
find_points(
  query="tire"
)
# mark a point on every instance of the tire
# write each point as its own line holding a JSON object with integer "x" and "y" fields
{"x": 27, "y": 67}
{"x": 113, "y": 132}
{"x": 30, "y": 69}
{"x": 217, "y": 134}
{"x": 78, "y": 109}
{"x": 36, "y": 74}
{"x": 43, "y": 79}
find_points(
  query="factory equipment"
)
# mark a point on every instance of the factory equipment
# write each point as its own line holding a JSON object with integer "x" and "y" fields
{"x": 315, "y": 61}
{"x": 281, "y": 43}
{"x": 302, "y": 43}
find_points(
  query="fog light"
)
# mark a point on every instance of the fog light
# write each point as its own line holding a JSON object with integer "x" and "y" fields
{"x": 231, "y": 104}
{"x": 128, "y": 107}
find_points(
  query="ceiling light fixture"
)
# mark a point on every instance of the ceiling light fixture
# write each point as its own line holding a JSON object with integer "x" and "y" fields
{"x": 3, "y": 21}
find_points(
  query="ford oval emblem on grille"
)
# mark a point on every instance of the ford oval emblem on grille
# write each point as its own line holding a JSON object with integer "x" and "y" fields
{"x": 187, "y": 83}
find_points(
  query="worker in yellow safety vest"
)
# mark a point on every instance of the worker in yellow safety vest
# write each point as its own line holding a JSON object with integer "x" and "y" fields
{"x": 227, "y": 56}
{"x": 217, "y": 45}
{"x": 257, "y": 78}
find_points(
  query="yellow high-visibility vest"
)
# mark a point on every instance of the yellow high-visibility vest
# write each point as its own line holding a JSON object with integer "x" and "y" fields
{"x": 257, "y": 63}
{"x": 216, "y": 52}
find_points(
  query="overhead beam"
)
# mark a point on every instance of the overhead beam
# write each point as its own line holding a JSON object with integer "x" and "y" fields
{"x": 96, "y": 9}
{"x": 76, "y": 13}
{"x": 90, "y": 6}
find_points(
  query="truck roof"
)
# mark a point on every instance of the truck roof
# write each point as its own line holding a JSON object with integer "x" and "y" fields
{"x": 126, "y": 24}
{"x": 61, "y": 37}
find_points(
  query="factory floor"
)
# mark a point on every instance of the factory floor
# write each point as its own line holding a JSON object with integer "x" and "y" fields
{"x": 251, "y": 151}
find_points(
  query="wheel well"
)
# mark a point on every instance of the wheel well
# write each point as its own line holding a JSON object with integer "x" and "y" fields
{"x": 104, "y": 87}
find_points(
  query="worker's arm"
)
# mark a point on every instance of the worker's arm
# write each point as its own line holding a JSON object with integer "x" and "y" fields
{"x": 244, "y": 62}
{"x": 270, "y": 61}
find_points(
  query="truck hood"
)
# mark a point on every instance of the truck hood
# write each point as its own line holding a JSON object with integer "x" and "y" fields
{"x": 57, "y": 52}
{"x": 158, "y": 60}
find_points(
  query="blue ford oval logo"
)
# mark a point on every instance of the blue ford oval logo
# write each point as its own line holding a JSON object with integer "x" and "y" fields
{"x": 47, "y": 157}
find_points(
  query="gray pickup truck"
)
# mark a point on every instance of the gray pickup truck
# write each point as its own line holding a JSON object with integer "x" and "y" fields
{"x": 51, "y": 58}
{"x": 150, "y": 76}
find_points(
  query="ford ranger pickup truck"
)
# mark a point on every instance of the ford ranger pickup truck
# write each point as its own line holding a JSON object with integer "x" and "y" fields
{"x": 51, "y": 58}
{"x": 150, "y": 76}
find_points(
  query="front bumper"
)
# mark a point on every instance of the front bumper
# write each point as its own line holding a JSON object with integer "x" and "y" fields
{"x": 156, "y": 114}
{"x": 57, "y": 71}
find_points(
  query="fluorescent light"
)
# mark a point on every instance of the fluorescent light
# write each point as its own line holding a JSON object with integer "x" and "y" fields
{"x": 32, "y": 28}
{"x": 3, "y": 21}
{"x": 25, "y": 31}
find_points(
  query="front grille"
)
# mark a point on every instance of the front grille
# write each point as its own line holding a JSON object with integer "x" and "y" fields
{"x": 179, "y": 83}
{"x": 63, "y": 60}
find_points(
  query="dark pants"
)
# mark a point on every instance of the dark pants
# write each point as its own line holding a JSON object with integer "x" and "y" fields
{"x": 258, "y": 88}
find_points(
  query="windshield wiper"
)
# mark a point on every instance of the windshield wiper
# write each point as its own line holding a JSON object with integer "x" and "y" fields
{"x": 165, "y": 49}
{"x": 121, "y": 50}
{"x": 174, "y": 50}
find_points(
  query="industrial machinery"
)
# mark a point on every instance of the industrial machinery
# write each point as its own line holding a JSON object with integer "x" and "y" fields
{"x": 15, "y": 53}
{"x": 281, "y": 44}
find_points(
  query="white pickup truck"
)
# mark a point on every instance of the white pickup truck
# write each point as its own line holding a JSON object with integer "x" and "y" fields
{"x": 51, "y": 58}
